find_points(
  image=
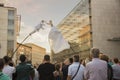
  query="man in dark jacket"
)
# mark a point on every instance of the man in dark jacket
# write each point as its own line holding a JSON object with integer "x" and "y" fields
{"x": 46, "y": 69}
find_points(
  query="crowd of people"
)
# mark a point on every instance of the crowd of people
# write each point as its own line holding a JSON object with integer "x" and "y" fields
{"x": 100, "y": 67}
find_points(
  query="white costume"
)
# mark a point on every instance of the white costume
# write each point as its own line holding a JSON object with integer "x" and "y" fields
{"x": 57, "y": 42}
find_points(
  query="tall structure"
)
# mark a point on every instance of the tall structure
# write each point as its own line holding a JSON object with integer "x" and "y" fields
{"x": 75, "y": 28}
{"x": 8, "y": 27}
{"x": 94, "y": 23}
{"x": 105, "y": 21}
{"x": 37, "y": 53}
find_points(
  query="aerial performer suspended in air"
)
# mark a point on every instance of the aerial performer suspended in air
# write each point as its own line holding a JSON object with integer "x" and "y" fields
{"x": 56, "y": 40}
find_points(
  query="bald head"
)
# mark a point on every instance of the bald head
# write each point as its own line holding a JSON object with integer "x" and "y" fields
{"x": 95, "y": 52}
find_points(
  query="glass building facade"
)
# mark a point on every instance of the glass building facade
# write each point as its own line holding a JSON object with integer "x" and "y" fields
{"x": 75, "y": 28}
{"x": 92, "y": 23}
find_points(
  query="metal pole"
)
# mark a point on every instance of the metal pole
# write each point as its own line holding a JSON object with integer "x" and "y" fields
{"x": 20, "y": 45}
{"x": 37, "y": 29}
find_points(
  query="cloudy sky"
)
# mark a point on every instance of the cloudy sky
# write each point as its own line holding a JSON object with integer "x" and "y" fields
{"x": 33, "y": 11}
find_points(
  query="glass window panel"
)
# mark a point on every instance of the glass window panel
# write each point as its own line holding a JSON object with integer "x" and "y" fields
{"x": 10, "y": 23}
{"x": 10, "y": 14}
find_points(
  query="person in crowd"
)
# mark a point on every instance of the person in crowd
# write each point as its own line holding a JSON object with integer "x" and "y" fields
{"x": 82, "y": 61}
{"x": 9, "y": 70}
{"x": 67, "y": 62}
{"x": 11, "y": 63}
{"x": 24, "y": 71}
{"x": 36, "y": 77}
{"x": 109, "y": 70}
{"x": 46, "y": 69}
{"x": 96, "y": 69}
{"x": 116, "y": 69}
{"x": 75, "y": 70}
{"x": 2, "y": 75}
{"x": 57, "y": 72}
{"x": 110, "y": 62}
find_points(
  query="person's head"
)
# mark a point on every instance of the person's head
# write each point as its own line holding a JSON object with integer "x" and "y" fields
{"x": 68, "y": 61}
{"x": 57, "y": 66}
{"x": 1, "y": 64}
{"x": 11, "y": 63}
{"x": 71, "y": 60}
{"x": 22, "y": 58}
{"x": 46, "y": 58}
{"x": 116, "y": 60}
{"x": 42, "y": 21}
{"x": 51, "y": 23}
{"x": 104, "y": 57}
{"x": 100, "y": 55}
{"x": 76, "y": 58}
{"x": 6, "y": 59}
{"x": 95, "y": 52}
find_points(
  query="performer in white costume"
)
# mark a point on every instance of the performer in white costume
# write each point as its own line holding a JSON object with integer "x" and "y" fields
{"x": 38, "y": 27}
{"x": 57, "y": 42}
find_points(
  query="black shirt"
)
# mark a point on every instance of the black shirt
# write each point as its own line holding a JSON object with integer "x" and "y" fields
{"x": 46, "y": 71}
{"x": 65, "y": 71}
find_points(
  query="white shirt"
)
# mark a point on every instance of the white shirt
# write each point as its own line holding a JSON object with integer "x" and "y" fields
{"x": 96, "y": 70}
{"x": 116, "y": 71}
{"x": 73, "y": 69}
{"x": 36, "y": 77}
{"x": 8, "y": 70}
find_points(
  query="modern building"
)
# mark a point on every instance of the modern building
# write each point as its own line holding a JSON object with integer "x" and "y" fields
{"x": 8, "y": 30}
{"x": 37, "y": 53}
{"x": 93, "y": 23}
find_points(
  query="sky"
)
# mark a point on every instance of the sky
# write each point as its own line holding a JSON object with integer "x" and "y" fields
{"x": 33, "y": 11}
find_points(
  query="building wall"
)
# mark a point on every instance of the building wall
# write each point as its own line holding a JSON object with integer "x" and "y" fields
{"x": 3, "y": 31}
{"x": 7, "y": 30}
{"x": 106, "y": 25}
{"x": 85, "y": 41}
{"x": 37, "y": 53}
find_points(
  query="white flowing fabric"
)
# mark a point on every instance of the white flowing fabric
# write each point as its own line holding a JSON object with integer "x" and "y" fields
{"x": 57, "y": 42}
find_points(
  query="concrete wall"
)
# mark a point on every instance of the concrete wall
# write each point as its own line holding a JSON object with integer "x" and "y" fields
{"x": 105, "y": 25}
{"x": 3, "y": 31}
{"x": 37, "y": 53}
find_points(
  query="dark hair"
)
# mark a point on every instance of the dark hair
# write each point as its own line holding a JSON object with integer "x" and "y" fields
{"x": 76, "y": 58}
{"x": 6, "y": 59}
{"x": 57, "y": 67}
{"x": 116, "y": 60}
{"x": 22, "y": 58}
{"x": 71, "y": 60}
{"x": 47, "y": 58}
{"x": 104, "y": 57}
{"x": 11, "y": 64}
{"x": 1, "y": 63}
